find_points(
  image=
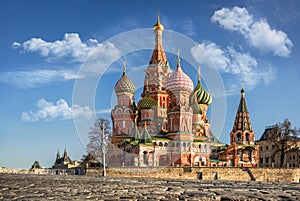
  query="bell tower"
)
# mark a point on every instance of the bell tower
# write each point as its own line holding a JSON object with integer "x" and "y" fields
{"x": 157, "y": 74}
{"x": 242, "y": 132}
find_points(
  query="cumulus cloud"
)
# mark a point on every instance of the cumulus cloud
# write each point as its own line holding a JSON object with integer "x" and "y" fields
{"x": 236, "y": 66}
{"x": 48, "y": 111}
{"x": 258, "y": 33}
{"x": 71, "y": 51}
{"x": 36, "y": 78}
{"x": 71, "y": 48}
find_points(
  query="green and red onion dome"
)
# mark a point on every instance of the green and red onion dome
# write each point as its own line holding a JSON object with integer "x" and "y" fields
{"x": 202, "y": 96}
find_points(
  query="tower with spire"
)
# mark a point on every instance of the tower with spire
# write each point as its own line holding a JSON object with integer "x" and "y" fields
{"x": 157, "y": 74}
{"x": 123, "y": 113}
{"x": 242, "y": 152}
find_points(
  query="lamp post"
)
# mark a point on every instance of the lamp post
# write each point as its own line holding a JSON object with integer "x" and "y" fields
{"x": 154, "y": 153}
{"x": 103, "y": 152}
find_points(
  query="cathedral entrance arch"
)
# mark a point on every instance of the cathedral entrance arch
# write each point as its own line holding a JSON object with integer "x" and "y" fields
{"x": 200, "y": 161}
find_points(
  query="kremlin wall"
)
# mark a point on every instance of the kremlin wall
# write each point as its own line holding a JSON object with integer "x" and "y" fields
{"x": 205, "y": 173}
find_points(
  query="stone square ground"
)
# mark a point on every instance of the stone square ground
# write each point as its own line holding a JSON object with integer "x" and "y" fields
{"x": 52, "y": 187}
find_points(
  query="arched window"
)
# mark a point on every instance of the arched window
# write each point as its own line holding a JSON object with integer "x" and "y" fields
{"x": 247, "y": 137}
{"x": 160, "y": 144}
{"x": 238, "y": 137}
{"x": 184, "y": 144}
{"x": 145, "y": 157}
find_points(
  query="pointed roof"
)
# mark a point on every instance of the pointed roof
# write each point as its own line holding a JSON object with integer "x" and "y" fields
{"x": 136, "y": 135}
{"x": 158, "y": 55}
{"x": 145, "y": 138}
{"x": 242, "y": 119}
{"x": 57, "y": 154}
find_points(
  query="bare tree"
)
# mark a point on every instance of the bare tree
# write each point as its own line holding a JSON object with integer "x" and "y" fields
{"x": 99, "y": 139}
{"x": 284, "y": 138}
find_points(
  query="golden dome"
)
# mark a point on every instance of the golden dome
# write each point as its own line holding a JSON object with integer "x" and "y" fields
{"x": 158, "y": 25}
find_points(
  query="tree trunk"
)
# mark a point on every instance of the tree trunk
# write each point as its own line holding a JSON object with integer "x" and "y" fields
{"x": 282, "y": 155}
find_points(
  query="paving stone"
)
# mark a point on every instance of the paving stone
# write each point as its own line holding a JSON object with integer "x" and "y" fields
{"x": 52, "y": 187}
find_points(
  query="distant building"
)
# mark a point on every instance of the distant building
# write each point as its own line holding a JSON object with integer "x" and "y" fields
{"x": 64, "y": 165}
{"x": 89, "y": 163}
{"x": 242, "y": 151}
{"x": 36, "y": 168}
{"x": 269, "y": 156}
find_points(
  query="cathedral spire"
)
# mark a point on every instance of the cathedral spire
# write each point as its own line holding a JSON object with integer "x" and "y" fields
{"x": 199, "y": 75}
{"x": 158, "y": 55}
{"x": 242, "y": 121}
{"x": 124, "y": 65}
{"x": 178, "y": 58}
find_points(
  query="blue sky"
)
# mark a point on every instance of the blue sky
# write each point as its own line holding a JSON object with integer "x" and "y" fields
{"x": 61, "y": 59}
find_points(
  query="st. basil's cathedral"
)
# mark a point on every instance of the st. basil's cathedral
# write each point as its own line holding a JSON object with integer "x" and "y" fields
{"x": 168, "y": 126}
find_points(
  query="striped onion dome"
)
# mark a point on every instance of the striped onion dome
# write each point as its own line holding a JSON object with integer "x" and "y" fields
{"x": 179, "y": 81}
{"x": 124, "y": 84}
{"x": 147, "y": 102}
{"x": 202, "y": 96}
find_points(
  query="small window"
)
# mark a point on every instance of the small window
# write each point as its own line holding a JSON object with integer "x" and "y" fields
{"x": 267, "y": 147}
{"x": 261, "y": 160}
{"x": 267, "y": 159}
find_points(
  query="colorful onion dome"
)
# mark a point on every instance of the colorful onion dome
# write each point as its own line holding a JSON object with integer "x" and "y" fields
{"x": 202, "y": 96}
{"x": 124, "y": 84}
{"x": 147, "y": 102}
{"x": 179, "y": 81}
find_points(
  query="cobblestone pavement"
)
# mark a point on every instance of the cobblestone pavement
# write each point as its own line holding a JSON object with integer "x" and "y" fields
{"x": 49, "y": 187}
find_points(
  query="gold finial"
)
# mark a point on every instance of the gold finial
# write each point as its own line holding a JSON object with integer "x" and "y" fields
{"x": 178, "y": 56}
{"x": 124, "y": 65}
{"x": 199, "y": 75}
{"x": 158, "y": 25}
{"x": 243, "y": 89}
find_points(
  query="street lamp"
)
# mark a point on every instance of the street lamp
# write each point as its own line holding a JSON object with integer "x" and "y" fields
{"x": 103, "y": 152}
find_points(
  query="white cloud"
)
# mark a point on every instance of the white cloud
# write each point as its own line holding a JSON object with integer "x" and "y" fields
{"x": 237, "y": 19}
{"x": 48, "y": 111}
{"x": 36, "y": 78}
{"x": 267, "y": 39}
{"x": 258, "y": 33}
{"x": 94, "y": 58}
{"x": 70, "y": 48}
{"x": 211, "y": 52}
{"x": 236, "y": 66}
